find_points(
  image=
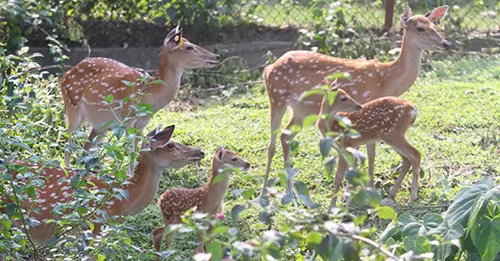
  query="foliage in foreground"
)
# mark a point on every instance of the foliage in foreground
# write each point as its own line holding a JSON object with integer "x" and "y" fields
{"x": 31, "y": 126}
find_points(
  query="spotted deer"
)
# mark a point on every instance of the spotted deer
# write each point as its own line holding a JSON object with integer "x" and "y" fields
{"x": 208, "y": 198}
{"x": 386, "y": 119}
{"x": 85, "y": 86}
{"x": 162, "y": 153}
{"x": 299, "y": 71}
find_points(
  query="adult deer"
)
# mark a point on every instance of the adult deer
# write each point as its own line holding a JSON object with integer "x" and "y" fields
{"x": 299, "y": 71}
{"x": 85, "y": 86}
{"x": 208, "y": 198}
{"x": 387, "y": 119}
{"x": 163, "y": 153}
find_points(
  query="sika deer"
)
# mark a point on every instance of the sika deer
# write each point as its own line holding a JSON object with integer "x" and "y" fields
{"x": 85, "y": 86}
{"x": 163, "y": 154}
{"x": 386, "y": 119}
{"x": 296, "y": 72}
{"x": 175, "y": 202}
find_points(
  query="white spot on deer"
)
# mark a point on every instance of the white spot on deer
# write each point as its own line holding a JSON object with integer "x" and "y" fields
{"x": 301, "y": 66}
{"x": 105, "y": 84}
{"x": 53, "y": 194}
{"x": 276, "y": 78}
{"x": 290, "y": 70}
{"x": 365, "y": 94}
{"x": 44, "y": 208}
{"x": 77, "y": 97}
{"x": 307, "y": 82}
{"x": 370, "y": 75}
{"x": 354, "y": 92}
{"x": 382, "y": 73}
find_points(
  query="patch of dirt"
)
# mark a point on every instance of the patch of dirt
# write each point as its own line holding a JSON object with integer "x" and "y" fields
{"x": 142, "y": 34}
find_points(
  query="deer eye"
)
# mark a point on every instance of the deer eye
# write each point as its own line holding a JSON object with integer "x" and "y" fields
{"x": 343, "y": 99}
{"x": 420, "y": 29}
{"x": 189, "y": 48}
{"x": 170, "y": 146}
{"x": 234, "y": 159}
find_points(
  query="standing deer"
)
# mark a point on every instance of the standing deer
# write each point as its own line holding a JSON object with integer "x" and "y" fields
{"x": 87, "y": 84}
{"x": 208, "y": 198}
{"x": 162, "y": 154}
{"x": 299, "y": 71}
{"x": 387, "y": 119}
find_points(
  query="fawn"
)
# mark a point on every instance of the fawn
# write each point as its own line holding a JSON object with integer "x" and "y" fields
{"x": 162, "y": 154}
{"x": 386, "y": 119}
{"x": 208, "y": 198}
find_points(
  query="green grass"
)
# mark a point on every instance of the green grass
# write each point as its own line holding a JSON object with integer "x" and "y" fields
{"x": 457, "y": 131}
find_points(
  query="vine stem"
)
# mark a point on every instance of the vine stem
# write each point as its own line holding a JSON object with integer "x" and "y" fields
{"x": 368, "y": 241}
{"x": 35, "y": 253}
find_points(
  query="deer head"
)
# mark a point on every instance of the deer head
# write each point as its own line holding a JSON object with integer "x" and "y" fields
{"x": 169, "y": 153}
{"x": 186, "y": 54}
{"x": 421, "y": 29}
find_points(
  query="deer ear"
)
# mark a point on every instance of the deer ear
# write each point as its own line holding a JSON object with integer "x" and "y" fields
{"x": 405, "y": 16}
{"x": 174, "y": 38}
{"x": 437, "y": 14}
{"x": 219, "y": 153}
{"x": 161, "y": 138}
{"x": 153, "y": 132}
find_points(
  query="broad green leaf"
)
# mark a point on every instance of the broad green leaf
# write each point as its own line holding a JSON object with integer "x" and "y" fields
{"x": 235, "y": 211}
{"x": 313, "y": 239}
{"x": 325, "y": 145}
{"x": 330, "y": 164}
{"x": 215, "y": 249}
{"x": 220, "y": 230}
{"x": 432, "y": 220}
{"x": 485, "y": 233}
{"x": 312, "y": 92}
{"x": 406, "y": 218}
{"x": 422, "y": 245}
{"x": 390, "y": 231}
{"x": 309, "y": 121}
{"x": 219, "y": 178}
{"x": 101, "y": 257}
{"x": 109, "y": 98}
{"x": 11, "y": 209}
{"x": 264, "y": 217}
{"x": 331, "y": 97}
{"x": 286, "y": 199}
{"x": 459, "y": 210}
{"x": 386, "y": 212}
{"x": 157, "y": 82}
{"x": 411, "y": 229}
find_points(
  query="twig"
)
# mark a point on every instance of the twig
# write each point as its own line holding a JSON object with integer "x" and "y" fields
{"x": 367, "y": 241}
{"x": 35, "y": 253}
{"x": 48, "y": 67}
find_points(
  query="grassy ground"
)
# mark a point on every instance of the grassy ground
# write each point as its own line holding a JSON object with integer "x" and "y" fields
{"x": 457, "y": 131}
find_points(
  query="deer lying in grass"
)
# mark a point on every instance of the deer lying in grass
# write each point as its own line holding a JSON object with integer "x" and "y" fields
{"x": 387, "y": 119}
{"x": 208, "y": 198}
{"x": 163, "y": 154}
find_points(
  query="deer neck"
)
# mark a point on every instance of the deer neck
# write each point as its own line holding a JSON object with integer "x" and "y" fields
{"x": 403, "y": 72}
{"x": 170, "y": 73}
{"x": 215, "y": 192}
{"x": 143, "y": 187}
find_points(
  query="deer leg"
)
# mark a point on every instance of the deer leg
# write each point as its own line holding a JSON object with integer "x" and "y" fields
{"x": 276, "y": 117}
{"x": 370, "y": 151}
{"x": 93, "y": 133}
{"x": 413, "y": 158}
{"x": 285, "y": 143}
{"x": 157, "y": 237}
{"x": 339, "y": 176}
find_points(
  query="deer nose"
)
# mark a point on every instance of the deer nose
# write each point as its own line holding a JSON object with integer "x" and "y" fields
{"x": 447, "y": 45}
{"x": 217, "y": 57}
{"x": 202, "y": 154}
{"x": 248, "y": 165}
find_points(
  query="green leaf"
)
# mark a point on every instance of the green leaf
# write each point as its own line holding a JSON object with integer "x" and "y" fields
{"x": 157, "y": 82}
{"x": 485, "y": 233}
{"x": 6, "y": 224}
{"x": 215, "y": 249}
{"x": 459, "y": 210}
{"x": 312, "y": 92}
{"x": 313, "y": 239}
{"x": 309, "y": 121}
{"x": 422, "y": 245}
{"x": 325, "y": 145}
{"x": 220, "y": 230}
{"x": 411, "y": 229}
{"x": 286, "y": 199}
{"x": 386, "y": 212}
{"x": 109, "y": 98}
{"x": 432, "y": 220}
{"x": 128, "y": 83}
{"x": 11, "y": 209}
{"x": 235, "y": 212}
{"x": 101, "y": 257}
{"x": 331, "y": 97}
{"x": 406, "y": 218}
{"x": 390, "y": 231}
{"x": 124, "y": 193}
{"x": 219, "y": 178}
{"x": 330, "y": 164}
{"x": 264, "y": 217}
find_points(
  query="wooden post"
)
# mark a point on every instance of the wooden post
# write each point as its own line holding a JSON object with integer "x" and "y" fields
{"x": 389, "y": 14}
